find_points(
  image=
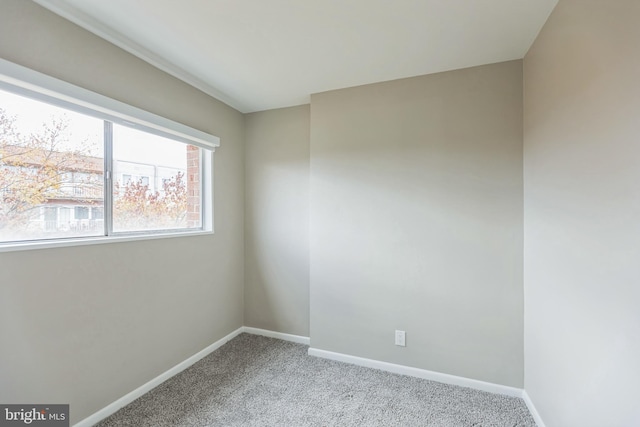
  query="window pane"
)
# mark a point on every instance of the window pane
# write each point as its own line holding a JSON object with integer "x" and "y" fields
{"x": 97, "y": 213}
{"x": 156, "y": 182}
{"x": 81, "y": 212}
{"x": 51, "y": 164}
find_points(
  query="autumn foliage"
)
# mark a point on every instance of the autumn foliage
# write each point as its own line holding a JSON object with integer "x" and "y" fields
{"x": 136, "y": 207}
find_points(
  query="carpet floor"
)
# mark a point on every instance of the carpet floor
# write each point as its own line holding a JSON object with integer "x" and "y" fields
{"x": 258, "y": 381}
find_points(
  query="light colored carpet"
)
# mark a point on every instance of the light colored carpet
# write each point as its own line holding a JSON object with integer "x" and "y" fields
{"x": 258, "y": 381}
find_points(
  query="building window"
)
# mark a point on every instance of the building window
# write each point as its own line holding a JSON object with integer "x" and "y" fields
{"x": 81, "y": 212}
{"x": 97, "y": 213}
{"x": 50, "y": 219}
{"x": 120, "y": 170}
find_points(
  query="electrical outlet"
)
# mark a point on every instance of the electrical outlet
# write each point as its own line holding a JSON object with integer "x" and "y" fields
{"x": 400, "y": 338}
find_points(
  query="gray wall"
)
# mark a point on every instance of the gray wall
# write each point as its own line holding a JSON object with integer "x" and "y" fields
{"x": 582, "y": 210}
{"x": 277, "y": 220}
{"x": 416, "y": 222}
{"x": 86, "y": 325}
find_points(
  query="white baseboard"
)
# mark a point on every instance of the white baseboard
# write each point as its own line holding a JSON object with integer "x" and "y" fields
{"x": 534, "y": 412}
{"x": 419, "y": 373}
{"x": 369, "y": 363}
{"x": 271, "y": 334}
{"x": 130, "y": 397}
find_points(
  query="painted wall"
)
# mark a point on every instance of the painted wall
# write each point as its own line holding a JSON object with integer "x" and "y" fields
{"x": 277, "y": 220}
{"x": 416, "y": 222}
{"x": 582, "y": 210}
{"x": 86, "y": 325}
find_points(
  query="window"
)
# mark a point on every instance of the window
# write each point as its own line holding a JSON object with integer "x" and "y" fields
{"x": 75, "y": 165}
{"x": 50, "y": 218}
{"x": 50, "y": 157}
{"x": 138, "y": 204}
{"x": 97, "y": 213}
{"x": 81, "y": 212}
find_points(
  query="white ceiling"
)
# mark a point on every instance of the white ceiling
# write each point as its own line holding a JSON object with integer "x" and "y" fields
{"x": 262, "y": 54}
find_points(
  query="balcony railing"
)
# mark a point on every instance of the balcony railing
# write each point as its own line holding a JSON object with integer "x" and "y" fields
{"x": 78, "y": 225}
{"x": 80, "y": 192}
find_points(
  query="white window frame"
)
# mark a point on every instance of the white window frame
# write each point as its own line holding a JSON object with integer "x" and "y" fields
{"x": 38, "y": 86}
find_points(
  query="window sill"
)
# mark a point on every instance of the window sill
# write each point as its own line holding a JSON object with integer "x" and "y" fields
{"x": 83, "y": 241}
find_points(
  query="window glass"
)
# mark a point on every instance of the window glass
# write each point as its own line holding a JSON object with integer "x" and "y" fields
{"x": 51, "y": 161}
{"x": 160, "y": 182}
{"x": 75, "y": 165}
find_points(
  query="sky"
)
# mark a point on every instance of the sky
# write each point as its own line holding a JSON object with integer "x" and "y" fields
{"x": 129, "y": 144}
